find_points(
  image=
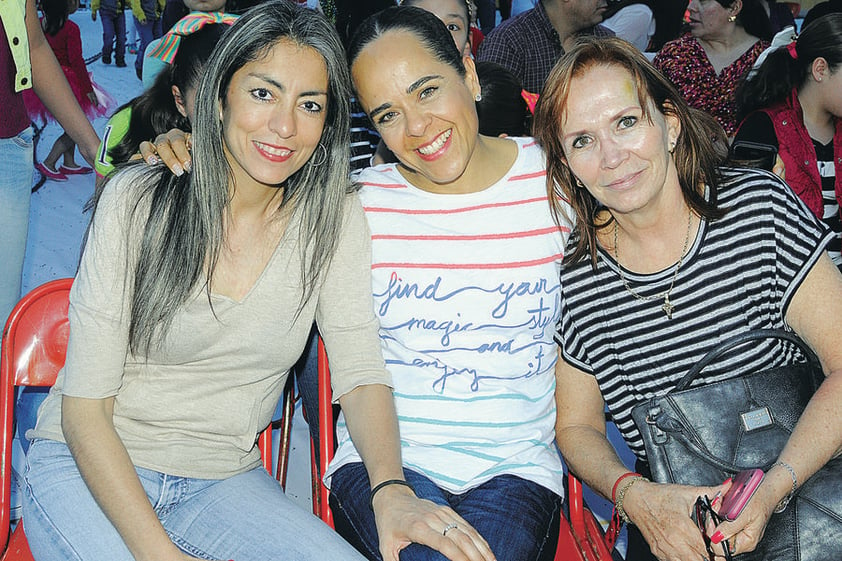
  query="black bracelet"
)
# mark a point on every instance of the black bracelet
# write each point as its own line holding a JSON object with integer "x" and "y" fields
{"x": 384, "y": 484}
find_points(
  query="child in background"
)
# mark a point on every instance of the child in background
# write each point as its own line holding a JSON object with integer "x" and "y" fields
{"x": 113, "y": 25}
{"x": 168, "y": 103}
{"x": 147, "y": 21}
{"x": 66, "y": 42}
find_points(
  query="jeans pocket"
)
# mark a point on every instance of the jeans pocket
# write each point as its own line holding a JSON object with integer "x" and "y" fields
{"x": 24, "y": 139}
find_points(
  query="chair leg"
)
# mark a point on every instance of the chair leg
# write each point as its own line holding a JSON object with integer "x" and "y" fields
{"x": 286, "y": 434}
{"x": 18, "y": 549}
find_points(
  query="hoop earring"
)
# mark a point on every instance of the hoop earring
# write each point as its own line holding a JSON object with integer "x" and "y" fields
{"x": 324, "y": 156}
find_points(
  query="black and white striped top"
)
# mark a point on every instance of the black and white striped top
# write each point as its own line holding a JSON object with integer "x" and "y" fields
{"x": 827, "y": 172}
{"x": 740, "y": 274}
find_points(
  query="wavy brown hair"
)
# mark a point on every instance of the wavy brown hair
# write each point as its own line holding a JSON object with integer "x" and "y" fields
{"x": 700, "y": 148}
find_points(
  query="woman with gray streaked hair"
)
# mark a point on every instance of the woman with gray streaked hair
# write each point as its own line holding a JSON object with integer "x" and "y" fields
{"x": 194, "y": 296}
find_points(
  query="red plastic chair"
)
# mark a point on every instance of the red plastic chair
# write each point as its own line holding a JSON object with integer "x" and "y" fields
{"x": 33, "y": 351}
{"x": 581, "y": 539}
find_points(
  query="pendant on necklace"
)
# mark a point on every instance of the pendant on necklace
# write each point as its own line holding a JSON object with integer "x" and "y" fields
{"x": 668, "y": 308}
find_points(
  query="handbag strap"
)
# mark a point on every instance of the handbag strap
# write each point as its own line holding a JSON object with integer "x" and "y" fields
{"x": 742, "y": 339}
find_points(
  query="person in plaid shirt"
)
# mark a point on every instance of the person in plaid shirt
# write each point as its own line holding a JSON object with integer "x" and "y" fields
{"x": 530, "y": 44}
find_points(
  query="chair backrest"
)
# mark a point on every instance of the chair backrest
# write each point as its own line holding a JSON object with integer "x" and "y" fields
{"x": 33, "y": 351}
{"x": 321, "y": 508}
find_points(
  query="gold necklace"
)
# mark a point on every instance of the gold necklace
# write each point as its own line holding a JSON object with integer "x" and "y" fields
{"x": 667, "y": 307}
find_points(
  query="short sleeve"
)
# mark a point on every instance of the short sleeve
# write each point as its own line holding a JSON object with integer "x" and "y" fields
{"x": 800, "y": 239}
{"x": 568, "y": 335}
{"x": 115, "y": 129}
{"x": 345, "y": 311}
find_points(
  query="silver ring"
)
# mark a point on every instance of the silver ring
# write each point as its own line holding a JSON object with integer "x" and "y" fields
{"x": 449, "y": 527}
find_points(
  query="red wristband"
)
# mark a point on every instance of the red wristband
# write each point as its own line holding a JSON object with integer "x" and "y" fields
{"x": 617, "y": 484}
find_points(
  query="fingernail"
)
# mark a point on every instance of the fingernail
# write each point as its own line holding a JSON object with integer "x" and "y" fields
{"x": 152, "y": 160}
{"x": 716, "y": 537}
{"x": 187, "y": 166}
{"x": 716, "y": 498}
{"x": 178, "y": 170}
{"x": 727, "y": 481}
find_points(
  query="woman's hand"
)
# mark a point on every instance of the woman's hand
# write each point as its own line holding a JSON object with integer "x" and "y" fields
{"x": 663, "y": 513}
{"x": 402, "y": 519}
{"x": 172, "y": 148}
{"x": 744, "y": 533}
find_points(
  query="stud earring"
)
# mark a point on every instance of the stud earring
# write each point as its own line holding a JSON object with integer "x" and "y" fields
{"x": 478, "y": 97}
{"x": 732, "y": 18}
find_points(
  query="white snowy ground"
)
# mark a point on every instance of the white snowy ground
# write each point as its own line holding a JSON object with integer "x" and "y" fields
{"x": 57, "y": 223}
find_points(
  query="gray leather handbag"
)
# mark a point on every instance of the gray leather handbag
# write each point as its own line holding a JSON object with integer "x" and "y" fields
{"x": 703, "y": 435}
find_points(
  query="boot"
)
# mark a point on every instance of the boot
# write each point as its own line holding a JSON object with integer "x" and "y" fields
{"x": 106, "y": 58}
{"x": 121, "y": 62}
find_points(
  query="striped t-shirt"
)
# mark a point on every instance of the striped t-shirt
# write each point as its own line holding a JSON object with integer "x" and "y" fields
{"x": 827, "y": 173}
{"x": 466, "y": 287}
{"x": 740, "y": 274}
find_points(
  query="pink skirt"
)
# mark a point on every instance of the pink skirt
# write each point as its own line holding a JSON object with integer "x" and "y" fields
{"x": 38, "y": 112}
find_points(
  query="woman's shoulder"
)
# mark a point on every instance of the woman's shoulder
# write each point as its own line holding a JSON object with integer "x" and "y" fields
{"x": 376, "y": 182}
{"x": 751, "y": 187}
{"x": 683, "y": 46}
{"x": 128, "y": 187}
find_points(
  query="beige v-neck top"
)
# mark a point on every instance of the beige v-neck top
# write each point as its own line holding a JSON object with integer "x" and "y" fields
{"x": 194, "y": 405}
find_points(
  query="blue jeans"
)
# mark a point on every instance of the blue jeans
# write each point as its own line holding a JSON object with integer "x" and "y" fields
{"x": 519, "y": 519}
{"x": 146, "y": 32}
{"x": 15, "y": 190}
{"x": 246, "y": 517}
{"x": 113, "y": 25}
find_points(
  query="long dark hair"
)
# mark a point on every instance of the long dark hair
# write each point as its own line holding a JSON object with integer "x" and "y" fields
{"x": 782, "y": 72}
{"x": 182, "y": 232}
{"x": 154, "y": 111}
{"x": 55, "y": 15}
{"x": 696, "y": 155}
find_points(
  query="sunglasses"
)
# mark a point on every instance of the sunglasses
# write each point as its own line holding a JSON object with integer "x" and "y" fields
{"x": 703, "y": 512}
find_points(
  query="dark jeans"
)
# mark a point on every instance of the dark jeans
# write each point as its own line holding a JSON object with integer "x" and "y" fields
{"x": 519, "y": 519}
{"x": 148, "y": 31}
{"x": 113, "y": 26}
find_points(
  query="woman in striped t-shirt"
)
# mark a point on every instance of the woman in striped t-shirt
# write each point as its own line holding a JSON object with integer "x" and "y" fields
{"x": 673, "y": 255}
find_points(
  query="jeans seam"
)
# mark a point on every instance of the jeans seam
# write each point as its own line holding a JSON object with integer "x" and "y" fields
{"x": 370, "y": 554}
{"x": 23, "y": 139}
{"x": 188, "y": 548}
{"x": 43, "y": 514}
{"x": 548, "y": 531}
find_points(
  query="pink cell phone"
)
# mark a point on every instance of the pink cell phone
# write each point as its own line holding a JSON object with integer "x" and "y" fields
{"x": 743, "y": 487}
